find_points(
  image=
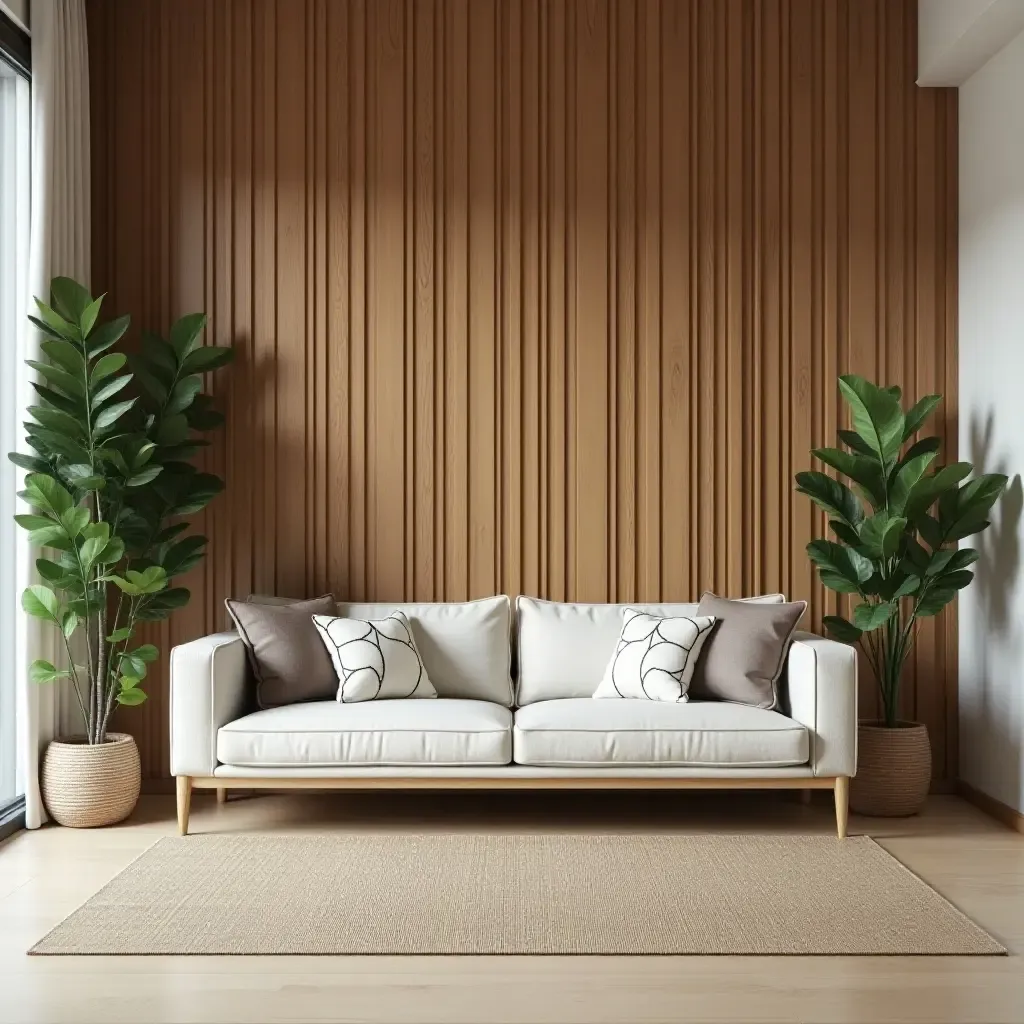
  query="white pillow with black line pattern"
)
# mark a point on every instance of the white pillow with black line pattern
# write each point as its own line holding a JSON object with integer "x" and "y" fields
{"x": 374, "y": 659}
{"x": 655, "y": 657}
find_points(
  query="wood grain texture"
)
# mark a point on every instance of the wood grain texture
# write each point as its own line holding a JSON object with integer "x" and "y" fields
{"x": 531, "y": 296}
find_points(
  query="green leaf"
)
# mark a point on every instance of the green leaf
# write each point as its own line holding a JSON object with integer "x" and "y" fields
{"x": 56, "y": 420}
{"x": 111, "y": 388}
{"x": 862, "y": 469}
{"x": 133, "y": 666}
{"x": 185, "y": 333}
{"x": 112, "y": 413}
{"x": 56, "y": 323}
{"x": 70, "y": 623}
{"x": 159, "y": 606}
{"x": 950, "y": 559}
{"x": 143, "y": 477}
{"x": 51, "y": 537}
{"x": 847, "y": 534}
{"x": 52, "y": 333}
{"x": 124, "y": 633}
{"x": 172, "y": 430}
{"x": 69, "y": 298}
{"x": 112, "y": 552}
{"x": 929, "y": 528}
{"x": 91, "y": 548}
{"x": 927, "y": 490}
{"x": 30, "y": 463}
{"x": 130, "y": 696}
{"x": 955, "y": 580}
{"x": 69, "y": 383}
{"x": 66, "y": 355}
{"x": 868, "y": 617}
{"x": 934, "y": 601}
{"x": 106, "y": 365}
{"x": 880, "y": 535}
{"x": 147, "y": 652}
{"x": 976, "y": 497}
{"x": 40, "y": 602}
{"x": 72, "y": 406}
{"x": 89, "y": 317}
{"x": 842, "y": 569}
{"x": 854, "y": 441}
{"x": 160, "y": 357}
{"x": 171, "y": 532}
{"x": 207, "y": 358}
{"x": 43, "y": 492}
{"x": 841, "y": 629}
{"x": 185, "y": 555}
{"x": 838, "y": 501}
{"x": 905, "y": 476}
{"x": 125, "y": 585}
{"x": 50, "y": 571}
{"x": 909, "y": 586}
{"x": 75, "y": 520}
{"x": 41, "y": 671}
{"x": 918, "y": 413}
{"x": 106, "y": 335}
{"x": 184, "y": 391}
{"x": 150, "y": 580}
{"x": 877, "y": 416}
{"x": 28, "y": 522}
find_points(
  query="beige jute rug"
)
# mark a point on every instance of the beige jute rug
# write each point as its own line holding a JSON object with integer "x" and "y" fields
{"x": 546, "y": 894}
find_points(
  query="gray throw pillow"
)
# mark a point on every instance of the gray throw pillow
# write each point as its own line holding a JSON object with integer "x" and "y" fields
{"x": 287, "y": 656}
{"x": 743, "y": 658}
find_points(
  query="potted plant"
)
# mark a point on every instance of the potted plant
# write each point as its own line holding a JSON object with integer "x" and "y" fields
{"x": 110, "y": 479}
{"x": 894, "y": 549}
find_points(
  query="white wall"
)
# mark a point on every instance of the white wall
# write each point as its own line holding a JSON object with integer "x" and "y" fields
{"x": 956, "y": 37}
{"x": 991, "y": 347}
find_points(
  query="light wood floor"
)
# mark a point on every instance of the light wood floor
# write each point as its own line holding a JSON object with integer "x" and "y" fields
{"x": 970, "y": 859}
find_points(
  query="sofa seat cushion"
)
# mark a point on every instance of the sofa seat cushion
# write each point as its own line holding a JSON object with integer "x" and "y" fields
{"x": 379, "y": 732}
{"x": 586, "y": 732}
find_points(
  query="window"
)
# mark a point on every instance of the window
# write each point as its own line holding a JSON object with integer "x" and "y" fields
{"x": 15, "y": 148}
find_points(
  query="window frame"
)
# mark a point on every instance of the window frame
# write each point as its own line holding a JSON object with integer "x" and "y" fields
{"x": 16, "y": 53}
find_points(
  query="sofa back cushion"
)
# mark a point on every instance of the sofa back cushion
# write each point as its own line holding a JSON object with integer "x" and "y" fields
{"x": 563, "y": 649}
{"x": 465, "y": 645}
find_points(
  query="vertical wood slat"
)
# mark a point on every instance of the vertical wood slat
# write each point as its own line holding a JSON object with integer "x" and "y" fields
{"x": 538, "y": 297}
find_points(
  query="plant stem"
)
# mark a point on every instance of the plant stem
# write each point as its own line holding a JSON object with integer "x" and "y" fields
{"x": 101, "y": 658}
{"x": 74, "y": 681}
{"x": 112, "y": 693}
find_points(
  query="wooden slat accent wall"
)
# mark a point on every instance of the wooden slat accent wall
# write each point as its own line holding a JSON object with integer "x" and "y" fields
{"x": 540, "y": 297}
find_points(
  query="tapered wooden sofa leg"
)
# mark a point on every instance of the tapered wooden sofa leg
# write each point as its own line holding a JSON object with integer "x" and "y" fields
{"x": 842, "y": 804}
{"x": 222, "y": 794}
{"x": 183, "y": 784}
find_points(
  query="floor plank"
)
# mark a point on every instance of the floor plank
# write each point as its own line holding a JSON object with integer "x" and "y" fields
{"x": 972, "y": 860}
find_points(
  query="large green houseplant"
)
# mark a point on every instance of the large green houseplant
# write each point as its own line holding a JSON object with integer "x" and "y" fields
{"x": 894, "y": 549}
{"x": 108, "y": 484}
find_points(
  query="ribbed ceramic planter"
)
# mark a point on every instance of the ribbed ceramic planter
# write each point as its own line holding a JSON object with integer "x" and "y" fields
{"x": 86, "y": 785}
{"x": 894, "y": 769}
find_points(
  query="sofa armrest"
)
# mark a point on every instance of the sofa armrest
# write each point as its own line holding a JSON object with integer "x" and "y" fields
{"x": 209, "y": 685}
{"x": 822, "y": 687}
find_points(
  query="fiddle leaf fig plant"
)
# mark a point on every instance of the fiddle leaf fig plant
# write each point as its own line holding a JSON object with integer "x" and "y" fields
{"x": 895, "y": 526}
{"x": 109, "y": 483}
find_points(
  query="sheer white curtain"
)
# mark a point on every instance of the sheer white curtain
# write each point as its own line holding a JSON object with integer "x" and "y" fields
{"x": 59, "y": 244}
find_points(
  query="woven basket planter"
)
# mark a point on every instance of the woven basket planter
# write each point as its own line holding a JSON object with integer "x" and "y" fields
{"x": 86, "y": 786}
{"x": 894, "y": 770}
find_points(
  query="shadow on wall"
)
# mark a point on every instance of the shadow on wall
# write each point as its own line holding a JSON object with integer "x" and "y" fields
{"x": 996, "y": 583}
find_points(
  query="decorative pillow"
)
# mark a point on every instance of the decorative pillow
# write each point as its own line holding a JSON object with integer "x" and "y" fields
{"x": 287, "y": 658}
{"x": 374, "y": 659}
{"x": 745, "y": 656}
{"x": 655, "y": 657}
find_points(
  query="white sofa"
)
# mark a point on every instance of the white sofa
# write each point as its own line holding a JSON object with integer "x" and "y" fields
{"x": 514, "y": 711}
